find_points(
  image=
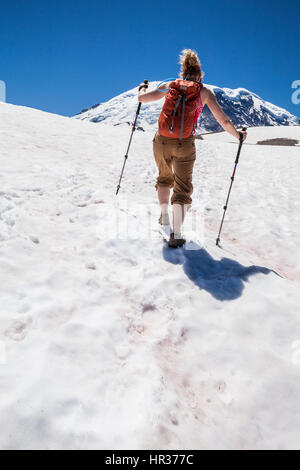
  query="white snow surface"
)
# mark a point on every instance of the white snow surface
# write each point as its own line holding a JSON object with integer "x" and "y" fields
{"x": 110, "y": 341}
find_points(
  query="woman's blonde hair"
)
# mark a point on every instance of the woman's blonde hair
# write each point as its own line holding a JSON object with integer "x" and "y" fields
{"x": 190, "y": 65}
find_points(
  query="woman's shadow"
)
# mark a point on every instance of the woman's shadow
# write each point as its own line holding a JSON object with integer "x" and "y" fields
{"x": 224, "y": 279}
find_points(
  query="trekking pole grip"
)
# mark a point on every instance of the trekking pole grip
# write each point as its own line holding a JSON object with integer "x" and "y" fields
{"x": 241, "y": 135}
{"x": 146, "y": 84}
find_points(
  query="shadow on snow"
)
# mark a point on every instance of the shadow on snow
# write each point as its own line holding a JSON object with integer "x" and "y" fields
{"x": 223, "y": 279}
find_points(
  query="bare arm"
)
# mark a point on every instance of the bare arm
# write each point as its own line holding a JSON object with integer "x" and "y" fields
{"x": 145, "y": 96}
{"x": 211, "y": 101}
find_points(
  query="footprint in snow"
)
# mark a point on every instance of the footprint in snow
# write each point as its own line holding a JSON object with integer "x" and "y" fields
{"x": 224, "y": 394}
{"x": 148, "y": 308}
{"x": 91, "y": 265}
{"x": 34, "y": 239}
{"x": 19, "y": 329}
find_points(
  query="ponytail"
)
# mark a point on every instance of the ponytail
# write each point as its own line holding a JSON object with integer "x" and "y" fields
{"x": 190, "y": 65}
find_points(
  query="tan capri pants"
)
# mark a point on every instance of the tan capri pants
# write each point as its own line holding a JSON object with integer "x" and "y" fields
{"x": 175, "y": 162}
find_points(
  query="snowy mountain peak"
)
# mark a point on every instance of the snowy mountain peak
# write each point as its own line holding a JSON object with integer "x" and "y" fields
{"x": 242, "y": 106}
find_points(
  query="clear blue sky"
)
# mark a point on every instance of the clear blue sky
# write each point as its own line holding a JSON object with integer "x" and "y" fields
{"x": 64, "y": 55}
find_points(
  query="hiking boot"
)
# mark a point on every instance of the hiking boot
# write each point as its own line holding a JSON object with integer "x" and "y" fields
{"x": 164, "y": 219}
{"x": 176, "y": 241}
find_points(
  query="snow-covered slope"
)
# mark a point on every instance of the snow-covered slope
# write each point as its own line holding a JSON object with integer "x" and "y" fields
{"x": 110, "y": 340}
{"x": 241, "y": 105}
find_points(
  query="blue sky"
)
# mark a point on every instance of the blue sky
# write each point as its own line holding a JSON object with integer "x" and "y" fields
{"x": 62, "y": 56}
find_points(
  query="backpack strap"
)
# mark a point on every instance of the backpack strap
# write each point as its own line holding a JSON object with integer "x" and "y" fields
{"x": 171, "y": 127}
{"x": 199, "y": 112}
{"x": 182, "y": 116}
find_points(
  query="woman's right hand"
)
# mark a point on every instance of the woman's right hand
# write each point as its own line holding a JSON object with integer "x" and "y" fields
{"x": 245, "y": 133}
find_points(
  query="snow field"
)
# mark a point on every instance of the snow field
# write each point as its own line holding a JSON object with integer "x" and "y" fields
{"x": 115, "y": 343}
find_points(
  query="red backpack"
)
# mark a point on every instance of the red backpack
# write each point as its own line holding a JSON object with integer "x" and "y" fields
{"x": 181, "y": 109}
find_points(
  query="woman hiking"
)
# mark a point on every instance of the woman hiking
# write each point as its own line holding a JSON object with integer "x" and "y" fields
{"x": 174, "y": 143}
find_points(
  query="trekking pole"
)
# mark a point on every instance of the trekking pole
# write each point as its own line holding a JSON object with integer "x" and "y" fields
{"x": 232, "y": 180}
{"x": 146, "y": 84}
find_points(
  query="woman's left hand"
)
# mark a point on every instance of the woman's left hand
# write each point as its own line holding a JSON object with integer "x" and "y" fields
{"x": 244, "y": 133}
{"x": 143, "y": 85}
